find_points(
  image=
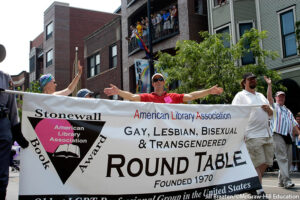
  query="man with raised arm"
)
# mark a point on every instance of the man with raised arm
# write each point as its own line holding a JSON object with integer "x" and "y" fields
{"x": 283, "y": 124}
{"x": 159, "y": 95}
{"x": 48, "y": 84}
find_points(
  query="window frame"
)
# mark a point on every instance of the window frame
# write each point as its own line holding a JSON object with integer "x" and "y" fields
{"x": 112, "y": 57}
{"x": 50, "y": 62}
{"x": 32, "y": 64}
{"x": 95, "y": 67}
{"x": 239, "y": 36}
{"x": 204, "y": 7}
{"x": 223, "y": 27}
{"x": 49, "y": 35}
{"x": 281, "y": 36}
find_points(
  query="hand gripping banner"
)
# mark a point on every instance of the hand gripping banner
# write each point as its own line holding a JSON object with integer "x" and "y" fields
{"x": 104, "y": 149}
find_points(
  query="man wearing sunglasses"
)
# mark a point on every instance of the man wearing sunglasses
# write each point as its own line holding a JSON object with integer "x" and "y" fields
{"x": 48, "y": 84}
{"x": 159, "y": 95}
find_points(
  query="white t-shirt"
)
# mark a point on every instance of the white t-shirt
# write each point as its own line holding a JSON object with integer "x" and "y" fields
{"x": 258, "y": 125}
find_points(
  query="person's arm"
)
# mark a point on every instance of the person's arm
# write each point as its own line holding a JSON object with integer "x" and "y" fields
{"x": 296, "y": 131}
{"x": 72, "y": 85}
{"x": 203, "y": 93}
{"x": 268, "y": 109}
{"x": 12, "y": 105}
{"x": 269, "y": 90}
{"x": 114, "y": 90}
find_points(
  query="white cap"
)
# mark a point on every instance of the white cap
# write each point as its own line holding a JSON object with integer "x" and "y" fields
{"x": 157, "y": 74}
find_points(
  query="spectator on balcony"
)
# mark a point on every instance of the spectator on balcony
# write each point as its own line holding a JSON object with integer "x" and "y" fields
{"x": 170, "y": 19}
{"x": 159, "y": 22}
{"x": 139, "y": 28}
{"x": 153, "y": 21}
{"x": 142, "y": 20}
{"x": 145, "y": 29}
{"x": 174, "y": 18}
{"x": 167, "y": 24}
{"x": 132, "y": 30}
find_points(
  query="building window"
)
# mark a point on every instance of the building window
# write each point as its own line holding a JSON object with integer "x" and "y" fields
{"x": 200, "y": 7}
{"x": 32, "y": 64}
{"x": 225, "y": 32}
{"x": 248, "y": 57}
{"x": 49, "y": 30}
{"x": 113, "y": 56}
{"x": 49, "y": 57}
{"x": 94, "y": 65}
{"x": 219, "y": 2}
{"x": 97, "y": 63}
{"x": 288, "y": 35}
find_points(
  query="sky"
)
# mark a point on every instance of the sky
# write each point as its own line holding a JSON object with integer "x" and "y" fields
{"x": 21, "y": 21}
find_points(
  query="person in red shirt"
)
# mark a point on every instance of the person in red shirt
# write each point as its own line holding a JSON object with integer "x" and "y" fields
{"x": 159, "y": 95}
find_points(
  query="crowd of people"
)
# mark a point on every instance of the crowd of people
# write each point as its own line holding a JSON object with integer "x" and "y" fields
{"x": 270, "y": 130}
{"x": 164, "y": 22}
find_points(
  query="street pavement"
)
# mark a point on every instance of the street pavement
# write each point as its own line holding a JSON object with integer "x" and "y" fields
{"x": 269, "y": 184}
{"x": 13, "y": 186}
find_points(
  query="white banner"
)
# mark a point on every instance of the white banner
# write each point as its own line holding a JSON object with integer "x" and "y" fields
{"x": 106, "y": 149}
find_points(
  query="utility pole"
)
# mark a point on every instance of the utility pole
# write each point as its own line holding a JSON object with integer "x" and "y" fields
{"x": 150, "y": 29}
{"x": 75, "y": 71}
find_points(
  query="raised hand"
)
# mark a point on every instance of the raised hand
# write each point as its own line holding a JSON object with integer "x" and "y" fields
{"x": 79, "y": 68}
{"x": 268, "y": 80}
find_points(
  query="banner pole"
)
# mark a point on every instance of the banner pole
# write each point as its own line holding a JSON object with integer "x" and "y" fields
{"x": 13, "y": 91}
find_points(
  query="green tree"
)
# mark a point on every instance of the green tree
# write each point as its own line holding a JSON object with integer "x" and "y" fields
{"x": 202, "y": 65}
{"x": 35, "y": 88}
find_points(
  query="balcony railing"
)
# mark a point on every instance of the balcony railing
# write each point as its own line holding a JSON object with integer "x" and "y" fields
{"x": 158, "y": 34}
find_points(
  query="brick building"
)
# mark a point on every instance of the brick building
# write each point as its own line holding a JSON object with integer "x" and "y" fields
{"x": 102, "y": 53}
{"x": 65, "y": 28}
{"x": 36, "y": 56}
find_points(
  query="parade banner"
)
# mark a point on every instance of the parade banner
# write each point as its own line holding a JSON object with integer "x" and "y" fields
{"x": 107, "y": 149}
{"x": 142, "y": 76}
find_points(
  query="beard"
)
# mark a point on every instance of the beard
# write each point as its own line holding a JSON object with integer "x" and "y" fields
{"x": 252, "y": 86}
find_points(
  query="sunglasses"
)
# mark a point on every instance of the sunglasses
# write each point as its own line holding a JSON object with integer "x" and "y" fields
{"x": 158, "y": 79}
{"x": 251, "y": 79}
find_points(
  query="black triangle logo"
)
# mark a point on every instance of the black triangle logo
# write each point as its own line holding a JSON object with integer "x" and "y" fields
{"x": 66, "y": 141}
